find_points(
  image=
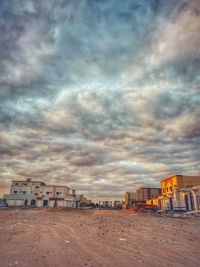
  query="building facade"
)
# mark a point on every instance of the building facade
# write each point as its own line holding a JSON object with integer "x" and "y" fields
{"x": 179, "y": 193}
{"x": 184, "y": 199}
{"x": 129, "y": 198}
{"x": 38, "y": 194}
{"x": 117, "y": 204}
{"x": 144, "y": 193}
{"x": 168, "y": 185}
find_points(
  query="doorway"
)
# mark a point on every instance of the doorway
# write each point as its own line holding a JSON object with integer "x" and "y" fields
{"x": 186, "y": 202}
{"x": 45, "y": 203}
{"x": 33, "y": 202}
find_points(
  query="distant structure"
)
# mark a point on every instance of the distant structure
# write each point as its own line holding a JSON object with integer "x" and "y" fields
{"x": 117, "y": 204}
{"x": 105, "y": 204}
{"x": 83, "y": 201}
{"x": 38, "y": 194}
{"x": 144, "y": 193}
{"x": 129, "y": 198}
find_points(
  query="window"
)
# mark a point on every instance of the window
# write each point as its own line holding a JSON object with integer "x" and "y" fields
{"x": 47, "y": 193}
{"x": 37, "y": 187}
{"x": 16, "y": 184}
{"x": 36, "y": 194}
{"x": 15, "y": 192}
{"x": 24, "y": 192}
{"x": 170, "y": 188}
{"x": 57, "y": 193}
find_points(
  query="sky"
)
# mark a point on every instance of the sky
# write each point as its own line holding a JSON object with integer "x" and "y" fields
{"x": 100, "y": 95}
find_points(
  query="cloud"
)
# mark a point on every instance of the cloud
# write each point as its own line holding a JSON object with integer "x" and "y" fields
{"x": 99, "y": 95}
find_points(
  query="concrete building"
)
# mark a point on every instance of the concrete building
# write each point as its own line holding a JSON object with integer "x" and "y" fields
{"x": 105, "y": 204}
{"x": 184, "y": 199}
{"x": 116, "y": 204}
{"x": 129, "y": 198}
{"x": 144, "y": 193}
{"x": 38, "y": 194}
{"x": 179, "y": 193}
{"x": 168, "y": 185}
{"x": 154, "y": 201}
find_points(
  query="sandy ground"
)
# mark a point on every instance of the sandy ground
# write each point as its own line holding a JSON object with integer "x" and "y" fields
{"x": 96, "y": 238}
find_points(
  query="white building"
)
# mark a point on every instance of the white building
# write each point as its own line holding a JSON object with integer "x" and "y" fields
{"x": 184, "y": 199}
{"x": 38, "y": 194}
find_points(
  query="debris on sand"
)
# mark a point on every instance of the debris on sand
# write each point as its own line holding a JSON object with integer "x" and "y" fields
{"x": 122, "y": 239}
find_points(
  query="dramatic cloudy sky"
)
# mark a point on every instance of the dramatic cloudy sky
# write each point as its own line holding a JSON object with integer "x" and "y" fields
{"x": 100, "y": 95}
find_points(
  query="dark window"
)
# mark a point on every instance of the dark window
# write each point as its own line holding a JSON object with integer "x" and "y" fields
{"x": 15, "y": 192}
{"x": 36, "y": 194}
{"x": 170, "y": 188}
{"x": 16, "y": 183}
{"x": 57, "y": 193}
{"x": 37, "y": 187}
{"x": 24, "y": 192}
{"x": 47, "y": 193}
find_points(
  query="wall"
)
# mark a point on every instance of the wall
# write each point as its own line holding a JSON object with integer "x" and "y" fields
{"x": 178, "y": 181}
{"x": 145, "y": 193}
{"x": 15, "y": 203}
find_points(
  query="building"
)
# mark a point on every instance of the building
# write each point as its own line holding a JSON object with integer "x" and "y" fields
{"x": 184, "y": 199}
{"x": 154, "y": 201}
{"x": 168, "y": 185}
{"x": 105, "y": 204}
{"x": 38, "y": 194}
{"x": 179, "y": 193}
{"x": 116, "y": 204}
{"x": 129, "y": 198}
{"x": 144, "y": 193}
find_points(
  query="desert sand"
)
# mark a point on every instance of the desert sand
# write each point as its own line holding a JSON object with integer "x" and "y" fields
{"x": 96, "y": 238}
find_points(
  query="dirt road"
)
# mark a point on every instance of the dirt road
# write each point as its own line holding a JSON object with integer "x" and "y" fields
{"x": 96, "y": 238}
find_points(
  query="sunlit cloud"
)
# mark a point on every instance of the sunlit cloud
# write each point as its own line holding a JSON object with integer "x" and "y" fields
{"x": 99, "y": 95}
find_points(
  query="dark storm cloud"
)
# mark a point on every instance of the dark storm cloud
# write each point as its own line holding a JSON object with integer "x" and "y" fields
{"x": 99, "y": 95}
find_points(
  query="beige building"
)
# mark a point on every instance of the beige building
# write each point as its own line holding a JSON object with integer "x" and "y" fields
{"x": 180, "y": 192}
{"x": 38, "y": 194}
{"x": 168, "y": 185}
{"x": 184, "y": 199}
{"x": 129, "y": 198}
{"x": 144, "y": 193}
{"x": 116, "y": 204}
